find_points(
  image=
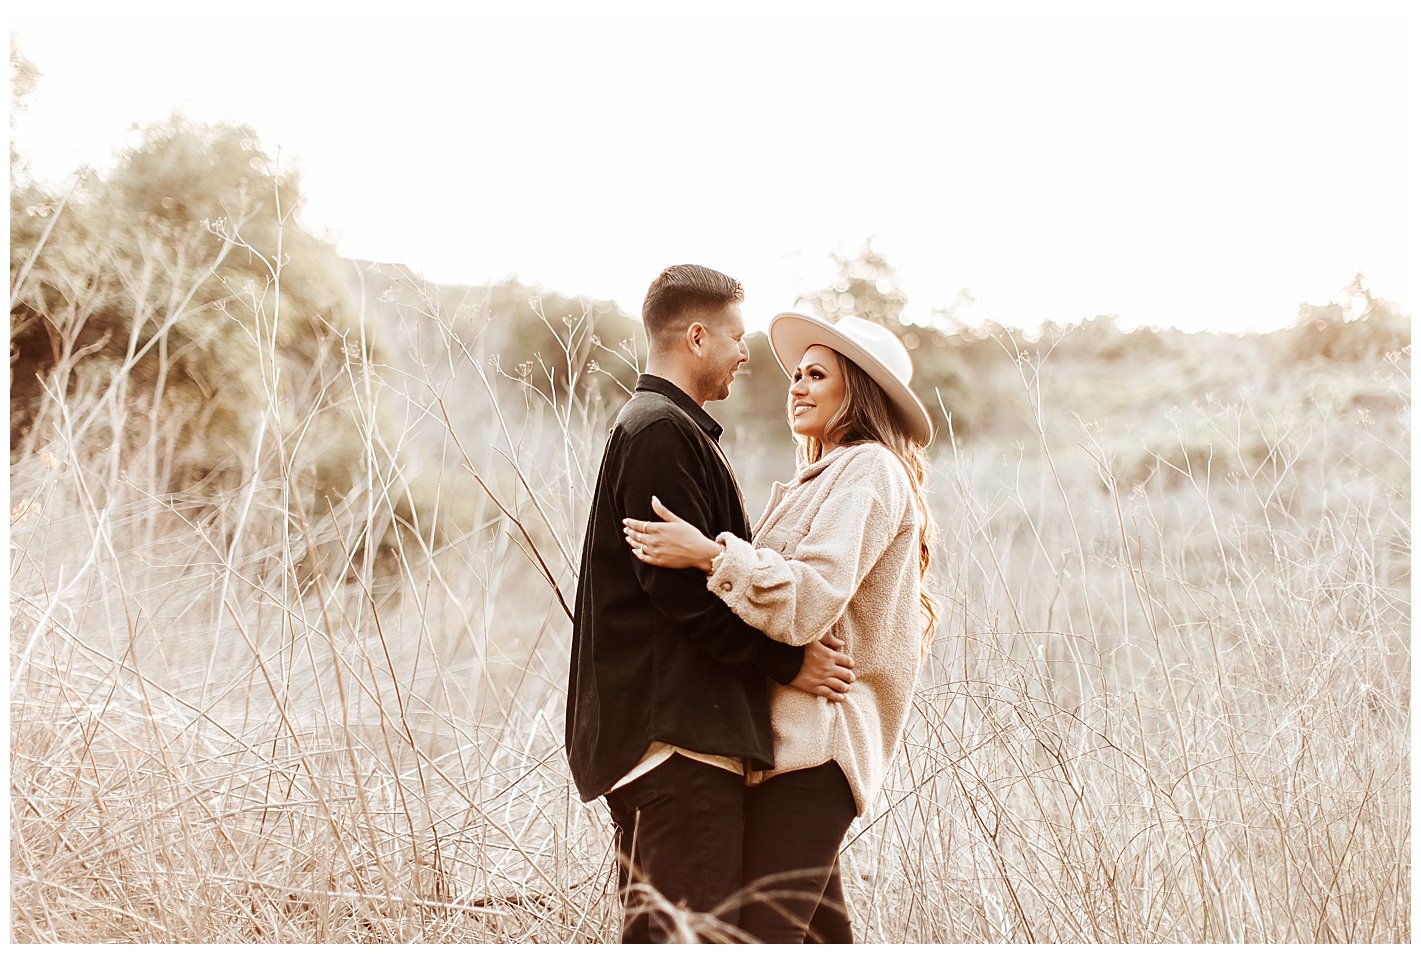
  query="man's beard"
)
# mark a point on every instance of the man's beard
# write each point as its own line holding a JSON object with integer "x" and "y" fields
{"x": 714, "y": 387}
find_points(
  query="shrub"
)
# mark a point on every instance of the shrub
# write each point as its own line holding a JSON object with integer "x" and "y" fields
{"x": 1361, "y": 327}
{"x": 182, "y": 289}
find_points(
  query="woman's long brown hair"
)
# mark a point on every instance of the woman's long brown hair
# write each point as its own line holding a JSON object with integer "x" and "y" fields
{"x": 866, "y": 415}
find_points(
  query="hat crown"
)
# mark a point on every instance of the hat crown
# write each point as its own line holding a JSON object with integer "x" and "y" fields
{"x": 880, "y": 343}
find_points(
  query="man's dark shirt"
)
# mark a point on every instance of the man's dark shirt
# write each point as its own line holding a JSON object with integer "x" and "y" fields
{"x": 655, "y": 655}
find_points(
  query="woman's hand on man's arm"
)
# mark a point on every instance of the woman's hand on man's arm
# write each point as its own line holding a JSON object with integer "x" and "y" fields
{"x": 674, "y": 544}
{"x": 670, "y": 542}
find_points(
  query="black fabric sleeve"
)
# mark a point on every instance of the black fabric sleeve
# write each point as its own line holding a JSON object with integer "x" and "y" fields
{"x": 664, "y": 460}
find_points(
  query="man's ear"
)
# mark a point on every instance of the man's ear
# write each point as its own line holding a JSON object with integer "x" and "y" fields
{"x": 695, "y": 337}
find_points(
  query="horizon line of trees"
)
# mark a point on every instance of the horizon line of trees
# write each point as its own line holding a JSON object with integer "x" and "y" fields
{"x": 182, "y": 288}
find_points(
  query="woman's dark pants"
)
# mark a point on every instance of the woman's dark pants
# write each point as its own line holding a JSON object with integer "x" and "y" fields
{"x": 794, "y": 825}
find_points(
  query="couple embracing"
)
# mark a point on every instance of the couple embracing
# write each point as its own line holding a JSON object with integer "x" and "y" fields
{"x": 736, "y": 698}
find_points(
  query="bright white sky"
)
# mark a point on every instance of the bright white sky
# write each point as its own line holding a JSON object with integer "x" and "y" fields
{"x": 1199, "y": 167}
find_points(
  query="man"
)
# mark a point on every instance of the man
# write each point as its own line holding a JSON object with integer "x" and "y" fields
{"x": 667, "y": 697}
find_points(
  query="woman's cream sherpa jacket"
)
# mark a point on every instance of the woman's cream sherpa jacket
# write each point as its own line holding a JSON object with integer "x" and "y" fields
{"x": 836, "y": 549}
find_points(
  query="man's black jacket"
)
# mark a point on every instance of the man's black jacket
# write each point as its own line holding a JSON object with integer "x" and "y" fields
{"x": 655, "y": 655}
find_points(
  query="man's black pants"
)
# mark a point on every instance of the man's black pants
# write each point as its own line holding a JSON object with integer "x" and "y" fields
{"x": 679, "y": 828}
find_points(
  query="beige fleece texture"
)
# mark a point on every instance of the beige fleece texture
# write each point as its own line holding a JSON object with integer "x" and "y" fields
{"x": 836, "y": 551}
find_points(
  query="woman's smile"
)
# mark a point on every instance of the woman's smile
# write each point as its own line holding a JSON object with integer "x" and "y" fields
{"x": 816, "y": 392}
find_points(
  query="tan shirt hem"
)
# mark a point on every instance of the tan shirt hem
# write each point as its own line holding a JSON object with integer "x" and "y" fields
{"x": 659, "y": 752}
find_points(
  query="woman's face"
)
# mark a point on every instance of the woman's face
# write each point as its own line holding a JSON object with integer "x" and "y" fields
{"x": 816, "y": 391}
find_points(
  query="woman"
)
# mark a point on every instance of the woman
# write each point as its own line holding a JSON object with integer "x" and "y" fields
{"x": 840, "y": 554}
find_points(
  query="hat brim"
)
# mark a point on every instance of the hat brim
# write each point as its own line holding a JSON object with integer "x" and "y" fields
{"x": 791, "y": 334}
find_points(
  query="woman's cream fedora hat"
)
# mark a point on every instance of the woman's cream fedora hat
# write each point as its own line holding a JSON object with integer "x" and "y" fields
{"x": 871, "y": 346}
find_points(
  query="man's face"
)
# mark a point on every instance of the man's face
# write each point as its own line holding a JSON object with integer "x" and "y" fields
{"x": 723, "y": 351}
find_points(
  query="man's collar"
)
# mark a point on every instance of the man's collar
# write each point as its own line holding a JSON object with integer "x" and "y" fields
{"x": 650, "y": 382}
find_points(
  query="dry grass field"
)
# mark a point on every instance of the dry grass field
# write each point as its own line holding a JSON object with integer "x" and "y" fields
{"x": 1168, "y": 701}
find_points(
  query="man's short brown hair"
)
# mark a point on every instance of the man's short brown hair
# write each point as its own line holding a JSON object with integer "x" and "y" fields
{"x": 679, "y": 293}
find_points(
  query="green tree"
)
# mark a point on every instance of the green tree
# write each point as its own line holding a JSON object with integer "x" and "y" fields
{"x": 865, "y": 284}
{"x": 183, "y": 289}
{"x": 1359, "y": 326}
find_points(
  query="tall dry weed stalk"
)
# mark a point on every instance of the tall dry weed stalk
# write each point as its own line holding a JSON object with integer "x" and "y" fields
{"x": 1166, "y": 702}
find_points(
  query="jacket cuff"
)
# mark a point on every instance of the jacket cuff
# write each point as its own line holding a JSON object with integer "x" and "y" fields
{"x": 732, "y": 571}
